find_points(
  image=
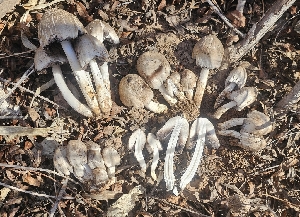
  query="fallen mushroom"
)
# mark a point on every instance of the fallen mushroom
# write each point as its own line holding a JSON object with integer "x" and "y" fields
{"x": 240, "y": 99}
{"x": 254, "y": 127}
{"x": 153, "y": 146}
{"x": 42, "y": 60}
{"x": 202, "y": 131}
{"x": 88, "y": 48}
{"x": 138, "y": 141}
{"x": 208, "y": 53}
{"x": 111, "y": 159}
{"x": 134, "y": 92}
{"x": 236, "y": 78}
{"x": 188, "y": 83}
{"x": 59, "y": 25}
{"x": 155, "y": 69}
{"x": 178, "y": 129}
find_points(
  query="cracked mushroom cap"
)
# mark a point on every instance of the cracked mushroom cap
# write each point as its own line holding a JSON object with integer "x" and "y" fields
{"x": 58, "y": 25}
{"x": 208, "y": 52}
{"x": 257, "y": 123}
{"x": 88, "y": 47}
{"x": 244, "y": 97}
{"x": 102, "y": 30}
{"x": 42, "y": 60}
{"x": 188, "y": 80}
{"x": 238, "y": 76}
{"x": 154, "y": 68}
{"x": 134, "y": 91}
{"x": 111, "y": 157}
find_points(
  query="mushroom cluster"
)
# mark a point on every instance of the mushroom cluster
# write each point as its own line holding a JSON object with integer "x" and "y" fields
{"x": 175, "y": 133}
{"x": 60, "y": 26}
{"x": 86, "y": 161}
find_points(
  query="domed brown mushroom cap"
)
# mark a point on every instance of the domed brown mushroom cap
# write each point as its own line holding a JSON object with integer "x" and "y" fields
{"x": 134, "y": 91}
{"x": 57, "y": 24}
{"x": 154, "y": 68}
{"x": 208, "y": 52}
{"x": 88, "y": 47}
{"x": 257, "y": 123}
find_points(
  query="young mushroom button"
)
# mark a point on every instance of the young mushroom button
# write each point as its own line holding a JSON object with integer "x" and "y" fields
{"x": 134, "y": 92}
{"x": 43, "y": 60}
{"x": 111, "y": 159}
{"x": 155, "y": 69}
{"x": 59, "y": 25}
{"x": 208, "y": 53}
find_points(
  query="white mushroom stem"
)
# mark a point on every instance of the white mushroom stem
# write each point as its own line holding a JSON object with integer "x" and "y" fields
{"x": 138, "y": 140}
{"x": 229, "y": 88}
{"x": 169, "y": 164}
{"x": 171, "y": 100}
{"x": 220, "y": 111}
{"x": 102, "y": 86}
{"x": 173, "y": 90}
{"x": 232, "y": 133}
{"x": 154, "y": 146}
{"x": 240, "y": 6}
{"x": 67, "y": 94}
{"x": 231, "y": 123}
{"x": 201, "y": 85}
{"x": 83, "y": 78}
{"x": 156, "y": 107}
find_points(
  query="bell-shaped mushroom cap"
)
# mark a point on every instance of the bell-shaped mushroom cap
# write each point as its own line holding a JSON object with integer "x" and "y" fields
{"x": 101, "y": 30}
{"x": 257, "y": 123}
{"x": 252, "y": 143}
{"x": 42, "y": 60}
{"x": 208, "y": 52}
{"x": 88, "y": 47}
{"x": 134, "y": 91}
{"x": 58, "y": 25}
{"x": 244, "y": 97}
{"x": 111, "y": 157}
{"x": 154, "y": 68}
{"x": 238, "y": 76}
{"x": 188, "y": 80}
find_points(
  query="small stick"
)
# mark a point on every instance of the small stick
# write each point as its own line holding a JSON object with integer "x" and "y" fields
{"x": 216, "y": 9}
{"x": 259, "y": 29}
{"x": 59, "y": 197}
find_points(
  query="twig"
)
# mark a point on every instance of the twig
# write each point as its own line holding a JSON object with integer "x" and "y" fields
{"x": 34, "y": 193}
{"x": 59, "y": 197}
{"x": 32, "y": 92}
{"x": 36, "y": 169}
{"x": 25, "y": 75}
{"x": 216, "y": 9}
{"x": 259, "y": 29}
{"x": 2, "y": 56}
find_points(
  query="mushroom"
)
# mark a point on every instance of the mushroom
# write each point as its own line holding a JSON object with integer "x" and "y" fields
{"x": 236, "y": 78}
{"x": 188, "y": 83}
{"x": 42, "y": 60}
{"x": 254, "y": 127}
{"x": 138, "y": 140}
{"x": 60, "y": 161}
{"x": 77, "y": 156}
{"x": 208, "y": 53}
{"x": 177, "y": 130}
{"x": 155, "y": 69}
{"x": 59, "y": 25}
{"x": 202, "y": 131}
{"x": 102, "y": 31}
{"x": 89, "y": 48}
{"x": 240, "y": 99}
{"x": 173, "y": 86}
{"x": 153, "y": 146}
{"x": 134, "y": 92}
{"x": 111, "y": 159}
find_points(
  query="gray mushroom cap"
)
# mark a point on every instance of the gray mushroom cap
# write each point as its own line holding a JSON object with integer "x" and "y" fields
{"x": 208, "y": 52}
{"x": 238, "y": 76}
{"x": 102, "y": 31}
{"x": 154, "y": 68}
{"x": 243, "y": 97}
{"x": 111, "y": 157}
{"x": 58, "y": 25}
{"x": 134, "y": 91}
{"x": 42, "y": 60}
{"x": 88, "y": 47}
{"x": 257, "y": 123}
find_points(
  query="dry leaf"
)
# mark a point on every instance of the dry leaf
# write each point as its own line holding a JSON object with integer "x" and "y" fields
{"x": 30, "y": 180}
{"x": 162, "y": 5}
